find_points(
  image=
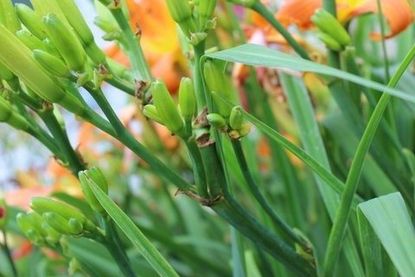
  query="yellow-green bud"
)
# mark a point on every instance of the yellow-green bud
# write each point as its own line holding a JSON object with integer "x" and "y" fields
{"x": 328, "y": 24}
{"x": 31, "y": 225}
{"x": 28, "y": 39}
{"x": 8, "y": 16}
{"x": 166, "y": 107}
{"x": 217, "y": 121}
{"x": 245, "y": 3}
{"x": 93, "y": 175}
{"x": 66, "y": 42}
{"x": 11, "y": 117}
{"x": 206, "y": 9}
{"x": 236, "y": 118}
{"x": 51, "y": 64}
{"x": 151, "y": 112}
{"x": 329, "y": 41}
{"x": 187, "y": 99}
{"x": 181, "y": 12}
{"x": 31, "y": 20}
{"x": 52, "y": 236}
{"x": 61, "y": 224}
{"x": 44, "y": 204}
{"x": 218, "y": 82}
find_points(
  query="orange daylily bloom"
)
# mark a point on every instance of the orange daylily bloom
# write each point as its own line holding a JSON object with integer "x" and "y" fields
{"x": 398, "y": 13}
{"x": 159, "y": 41}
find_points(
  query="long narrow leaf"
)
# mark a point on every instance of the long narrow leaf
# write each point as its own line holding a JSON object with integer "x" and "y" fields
{"x": 257, "y": 55}
{"x": 392, "y": 224}
{"x": 137, "y": 238}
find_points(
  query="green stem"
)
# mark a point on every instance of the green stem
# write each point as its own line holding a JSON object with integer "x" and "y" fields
{"x": 352, "y": 181}
{"x": 199, "y": 51}
{"x": 112, "y": 243}
{"x": 61, "y": 138}
{"x": 330, "y": 6}
{"x": 123, "y": 135}
{"x": 8, "y": 253}
{"x": 279, "y": 222}
{"x": 46, "y": 140}
{"x": 267, "y": 14}
{"x": 198, "y": 169}
{"x": 132, "y": 45}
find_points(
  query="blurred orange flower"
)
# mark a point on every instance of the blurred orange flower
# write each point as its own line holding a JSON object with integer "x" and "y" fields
{"x": 398, "y": 13}
{"x": 159, "y": 41}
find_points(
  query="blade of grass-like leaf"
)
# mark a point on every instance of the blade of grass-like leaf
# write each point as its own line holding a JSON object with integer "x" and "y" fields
{"x": 301, "y": 107}
{"x": 257, "y": 55}
{"x": 238, "y": 259}
{"x": 392, "y": 224}
{"x": 137, "y": 238}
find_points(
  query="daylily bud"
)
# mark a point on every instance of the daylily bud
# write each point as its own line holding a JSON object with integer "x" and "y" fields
{"x": 87, "y": 177}
{"x": 329, "y": 41}
{"x": 11, "y": 117}
{"x": 52, "y": 64}
{"x": 28, "y": 39}
{"x": 243, "y": 131}
{"x": 216, "y": 120}
{"x": 151, "y": 112}
{"x": 328, "y": 24}
{"x": 3, "y": 213}
{"x": 187, "y": 99}
{"x": 206, "y": 9}
{"x": 62, "y": 225}
{"x": 196, "y": 38}
{"x": 8, "y": 16}
{"x": 45, "y": 7}
{"x": 66, "y": 42}
{"x": 52, "y": 236}
{"x": 181, "y": 12}
{"x": 245, "y": 3}
{"x": 236, "y": 118}
{"x": 31, "y": 225}
{"x": 31, "y": 20}
{"x": 166, "y": 107}
{"x": 43, "y": 205}
{"x": 18, "y": 59}
{"x": 217, "y": 82}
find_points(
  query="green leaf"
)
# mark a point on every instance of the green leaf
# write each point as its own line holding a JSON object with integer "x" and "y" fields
{"x": 392, "y": 224}
{"x": 257, "y": 55}
{"x": 137, "y": 238}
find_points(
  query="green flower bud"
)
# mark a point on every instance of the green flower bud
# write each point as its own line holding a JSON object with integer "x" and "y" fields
{"x": 11, "y": 117}
{"x": 236, "y": 118}
{"x": 151, "y": 112}
{"x": 217, "y": 121}
{"x": 66, "y": 42}
{"x": 181, "y": 12}
{"x": 187, "y": 99}
{"x": 93, "y": 175}
{"x": 31, "y": 225}
{"x": 28, "y": 39}
{"x": 218, "y": 82}
{"x": 61, "y": 224}
{"x": 328, "y": 24}
{"x": 52, "y": 236}
{"x": 206, "y": 9}
{"x": 329, "y": 41}
{"x": 245, "y": 3}
{"x": 31, "y": 20}
{"x": 3, "y": 213}
{"x": 51, "y": 64}
{"x": 166, "y": 107}
{"x": 8, "y": 16}
{"x": 43, "y": 205}
{"x": 45, "y": 7}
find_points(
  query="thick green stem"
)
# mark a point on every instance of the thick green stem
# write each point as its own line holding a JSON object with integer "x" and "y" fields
{"x": 343, "y": 211}
{"x": 199, "y": 51}
{"x": 61, "y": 138}
{"x": 198, "y": 169}
{"x": 279, "y": 222}
{"x": 267, "y": 14}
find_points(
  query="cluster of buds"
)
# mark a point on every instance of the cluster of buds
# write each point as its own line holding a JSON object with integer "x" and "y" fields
{"x": 48, "y": 48}
{"x": 195, "y": 18}
{"x": 51, "y": 219}
{"x": 164, "y": 110}
{"x": 331, "y": 32}
{"x": 226, "y": 118}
